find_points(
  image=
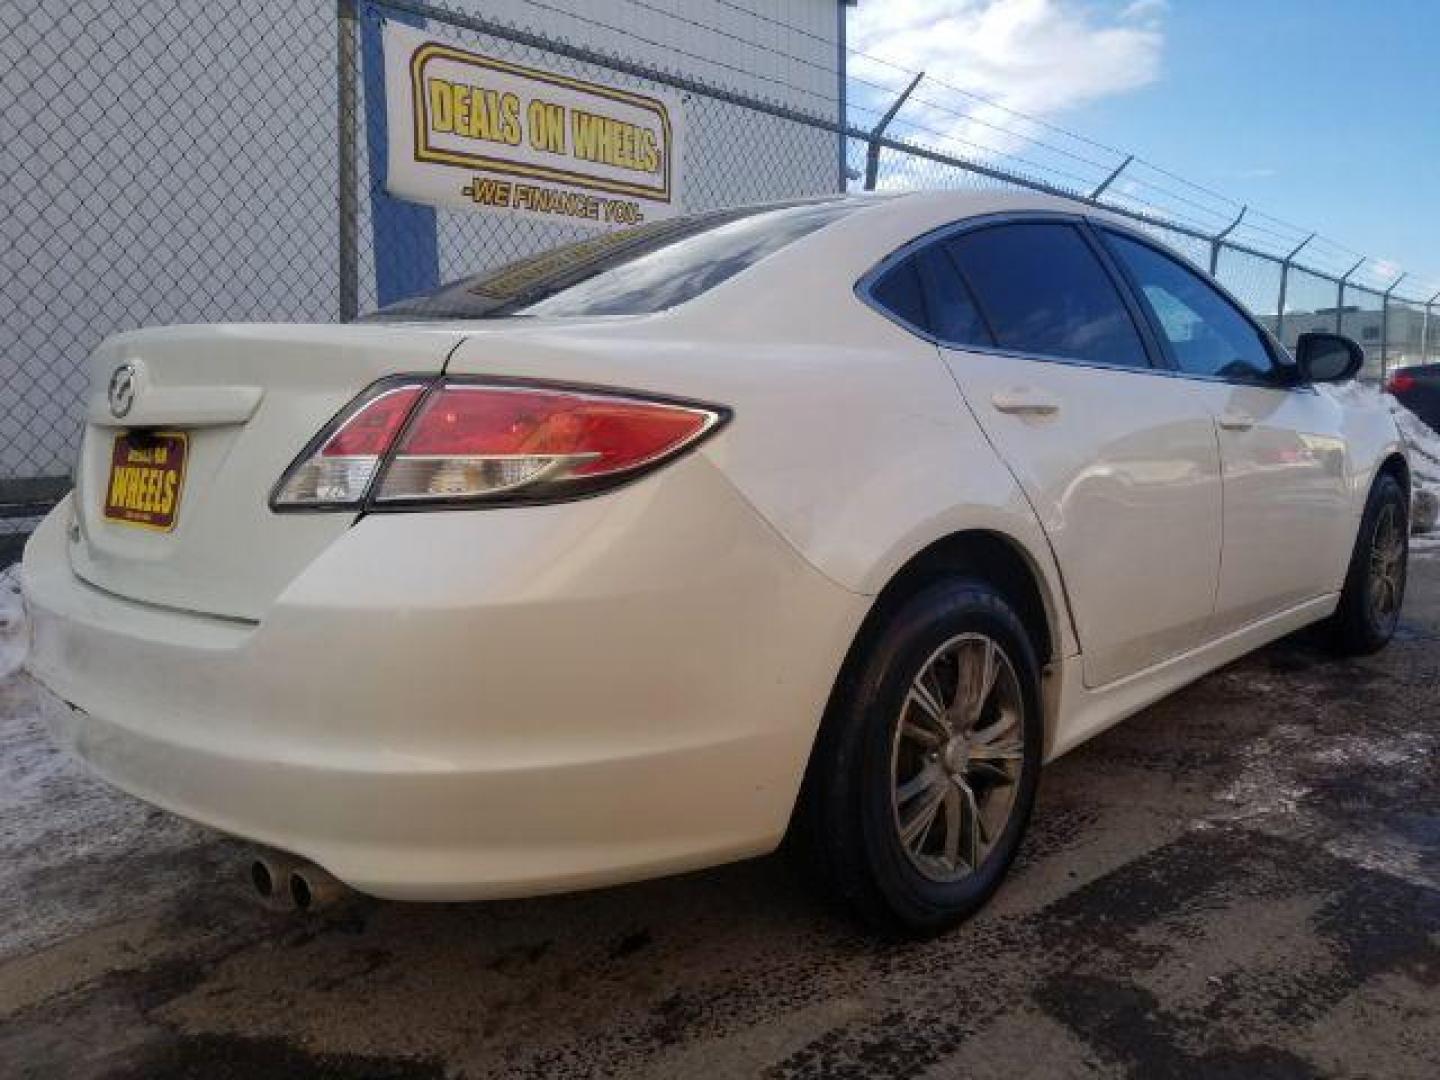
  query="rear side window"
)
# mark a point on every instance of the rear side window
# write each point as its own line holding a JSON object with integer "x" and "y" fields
{"x": 925, "y": 291}
{"x": 1206, "y": 332}
{"x": 954, "y": 318}
{"x": 1043, "y": 290}
{"x": 898, "y": 292}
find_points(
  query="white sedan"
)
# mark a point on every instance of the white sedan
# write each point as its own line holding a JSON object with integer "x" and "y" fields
{"x": 830, "y": 520}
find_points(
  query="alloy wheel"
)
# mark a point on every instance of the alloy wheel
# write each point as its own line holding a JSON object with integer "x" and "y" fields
{"x": 1387, "y": 567}
{"x": 957, "y": 754}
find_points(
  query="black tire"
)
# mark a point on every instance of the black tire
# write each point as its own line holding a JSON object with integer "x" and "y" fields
{"x": 1370, "y": 602}
{"x": 848, "y": 821}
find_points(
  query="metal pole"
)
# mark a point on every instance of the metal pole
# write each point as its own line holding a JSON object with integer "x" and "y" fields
{"x": 1284, "y": 284}
{"x": 347, "y": 75}
{"x": 872, "y": 151}
{"x": 1425, "y": 329}
{"x": 842, "y": 106}
{"x": 1385, "y": 328}
{"x": 1094, "y": 195}
{"x": 1219, "y": 237}
{"x": 1340, "y": 296}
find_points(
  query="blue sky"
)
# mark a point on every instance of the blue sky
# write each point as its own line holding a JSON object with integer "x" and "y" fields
{"x": 1322, "y": 113}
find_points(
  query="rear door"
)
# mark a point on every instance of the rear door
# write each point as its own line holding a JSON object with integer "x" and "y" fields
{"x": 1289, "y": 519}
{"x": 1118, "y": 458}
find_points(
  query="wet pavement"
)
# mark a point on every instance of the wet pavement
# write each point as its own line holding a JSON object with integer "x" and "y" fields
{"x": 1241, "y": 881}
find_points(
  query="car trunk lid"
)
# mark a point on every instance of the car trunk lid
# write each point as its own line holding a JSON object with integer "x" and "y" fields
{"x": 172, "y": 495}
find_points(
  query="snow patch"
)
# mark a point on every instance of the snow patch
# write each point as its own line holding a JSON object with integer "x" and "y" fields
{"x": 1421, "y": 440}
{"x": 13, "y": 637}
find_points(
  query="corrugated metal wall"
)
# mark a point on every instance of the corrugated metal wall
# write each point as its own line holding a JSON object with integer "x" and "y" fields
{"x": 176, "y": 161}
{"x": 745, "y": 45}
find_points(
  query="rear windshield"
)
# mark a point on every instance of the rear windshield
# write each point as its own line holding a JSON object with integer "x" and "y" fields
{"x": 634, "y": 272}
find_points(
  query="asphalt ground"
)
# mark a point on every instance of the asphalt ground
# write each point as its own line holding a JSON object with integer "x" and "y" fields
{"x": 1242, "y": 881}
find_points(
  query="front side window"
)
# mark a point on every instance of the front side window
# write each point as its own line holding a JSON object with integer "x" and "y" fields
{"x": 1207, "y": 334}
{"x": 1041, "y": 289}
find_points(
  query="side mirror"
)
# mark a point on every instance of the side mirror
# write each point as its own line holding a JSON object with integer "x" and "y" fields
{"x": 1324, "y": 358}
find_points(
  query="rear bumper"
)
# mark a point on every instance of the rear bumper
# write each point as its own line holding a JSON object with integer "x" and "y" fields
{"x": 463, "y": 705}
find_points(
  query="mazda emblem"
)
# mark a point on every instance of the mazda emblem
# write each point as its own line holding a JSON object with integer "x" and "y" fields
{"x": 122, "y": 390}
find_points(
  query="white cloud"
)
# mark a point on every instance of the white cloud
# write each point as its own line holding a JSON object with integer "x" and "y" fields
{"x": 1383, "y": 270}
{"x": 1040, "y": 57}
{"x": 1145, "y": 9}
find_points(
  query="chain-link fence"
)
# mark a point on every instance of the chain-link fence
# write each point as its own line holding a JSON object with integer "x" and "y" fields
{"x": 148, "y": 162}
{"x": 185, "y": 161}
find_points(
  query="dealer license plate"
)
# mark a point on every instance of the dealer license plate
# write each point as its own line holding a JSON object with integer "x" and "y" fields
{"x": 147, "y": 473}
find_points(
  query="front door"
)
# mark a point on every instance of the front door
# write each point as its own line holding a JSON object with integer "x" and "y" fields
{"x": 1289, "y": 526}
{"x": 1288, "y": 518}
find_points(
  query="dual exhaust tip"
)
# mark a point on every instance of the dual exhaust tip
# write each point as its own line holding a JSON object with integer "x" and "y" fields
{"x": 287, "y": 883}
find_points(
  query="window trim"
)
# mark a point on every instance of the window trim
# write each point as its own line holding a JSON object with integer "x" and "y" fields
{"x": 1283, "y": 369}
{"x": 1156, "y": 362}
{"x": 1156, "y": 347}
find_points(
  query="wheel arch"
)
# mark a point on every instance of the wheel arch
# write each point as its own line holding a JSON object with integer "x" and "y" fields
{"x": 997, "y": 558}
{"x": 1394, "y": 464}
{"x": 1000, "y": 560}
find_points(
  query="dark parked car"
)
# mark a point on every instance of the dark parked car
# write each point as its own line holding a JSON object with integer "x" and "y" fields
{"x": 1418, "y": 389}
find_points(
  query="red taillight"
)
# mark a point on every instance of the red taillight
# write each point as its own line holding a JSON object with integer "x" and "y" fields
{"x": 1400, "y": 382}
{"x": 371, "y": 430}
{"x": 480, "y": 442}
{"x": 339, "y": 467}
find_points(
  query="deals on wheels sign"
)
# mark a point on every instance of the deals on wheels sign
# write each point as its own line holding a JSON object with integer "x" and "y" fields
{"x": 471, "y": 131}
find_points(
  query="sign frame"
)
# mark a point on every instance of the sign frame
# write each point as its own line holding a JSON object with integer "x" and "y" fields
{"x": 429, "y": 164}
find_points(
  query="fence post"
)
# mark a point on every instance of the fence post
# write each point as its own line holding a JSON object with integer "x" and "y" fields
{"x": 1425, "y": 329}
{"x": 1094, "y": 196}
{"x": 842, "y": 105}
{"x": 347, "y": 75}
{"x": 1284, "y": 285}
{"x": 1340, "y": 296}
{"x": 872, "y": 150}
{"x": 1218, "y": 239}
{"x": 1385, "y": 327}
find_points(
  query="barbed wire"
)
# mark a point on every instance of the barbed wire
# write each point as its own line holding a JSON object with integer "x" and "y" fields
{"x": 993, "y": 153}
{"x": 1252, "y": 217}
{"x": 668, "y": 47}
{"x": 829, "y": 69}
{"x": 760, "y": 122}
{"x": 781, "y": 23}
{"x": 832, "y": 70}
{"x": 763, "y": 47}
{"x": 1250, "y": 225}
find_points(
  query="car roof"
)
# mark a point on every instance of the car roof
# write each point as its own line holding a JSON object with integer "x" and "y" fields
{"x": 952, "y": 202}
{"x": 924, "y": 209}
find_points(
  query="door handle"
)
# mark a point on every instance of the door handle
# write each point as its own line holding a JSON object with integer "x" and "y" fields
{"x": 1023, "y": 401}
{"x": 1236, "y": 421}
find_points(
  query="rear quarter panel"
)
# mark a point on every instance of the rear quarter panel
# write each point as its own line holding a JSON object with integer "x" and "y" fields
{"x": 849, "y": 435}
